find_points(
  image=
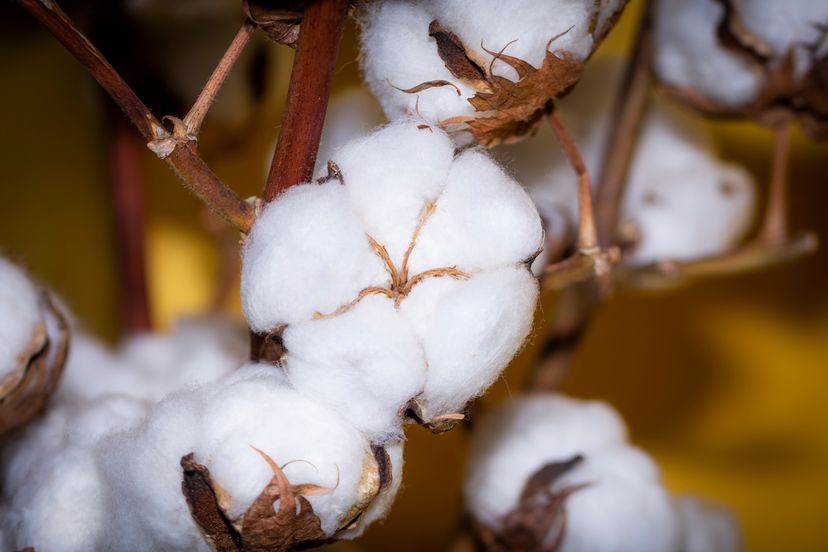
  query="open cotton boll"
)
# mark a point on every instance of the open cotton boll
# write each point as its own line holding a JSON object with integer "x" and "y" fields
{"x": 364, "y": 365}
{"x": 306, "y": 253}
{"x": 19, "y": 317}
{"x": 351, "y": 114}
{"x": 613, "y": 498}
{"x": 706, "y": 527}
{"x": 390, "y": 176}
{"x": 483, "y": 220}
{"x": 688, "y": 53}
{"x": 439, "y": 60}
{"x": 469, "y": 330}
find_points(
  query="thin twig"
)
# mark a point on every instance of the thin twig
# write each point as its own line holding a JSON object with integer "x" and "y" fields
{"x": 627, "y": 120}
{"x": 307, "y": 100}
{"x": 775, "y": 225}
{"x": 128, "y": 199}
{"x": 587, "y": 239}
{"x": 197, "y": 177}
{"x": 208, "y": 94}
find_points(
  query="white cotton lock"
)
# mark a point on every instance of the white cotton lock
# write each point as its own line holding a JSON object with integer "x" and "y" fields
{"x": 364, "y": 364}
{"x": 688, "y": 53}
{"x": 19, "y": 316}
{"x": 706, "y": 527}
{"x": 397, "y": 53}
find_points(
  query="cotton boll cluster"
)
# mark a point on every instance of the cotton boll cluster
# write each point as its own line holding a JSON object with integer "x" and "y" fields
{"x": 471, "y": 67}
{"x": 746, "y": 58}
{"x": 559, "y": 468}
{"x": 34, "y": 336}
{"x": 409, "y": 263}
{"x": 681, "y": 201}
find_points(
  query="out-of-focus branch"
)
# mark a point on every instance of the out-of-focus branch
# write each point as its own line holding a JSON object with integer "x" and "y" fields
{"x": 775, "y": 225}
{"x": 180, "y": 155}
{"x": 307, "y": 100}
{"x": 128, "y": 199}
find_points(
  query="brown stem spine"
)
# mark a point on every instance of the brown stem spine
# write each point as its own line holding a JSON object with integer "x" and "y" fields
{"x": 775, "y": 225}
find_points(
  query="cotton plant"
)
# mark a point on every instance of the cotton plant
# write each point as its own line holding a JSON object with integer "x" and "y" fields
{"x": 410, "y": 264}
{"x": 681, "y": 201}
{"x": 34, "y": 335}
{"x": 549, "y": 472}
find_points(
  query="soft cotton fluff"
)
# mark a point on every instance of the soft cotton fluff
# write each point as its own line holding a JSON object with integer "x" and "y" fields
{"x": 424, "y": 255}
{"x": 681, "y": 201}
{"x": 623, "y": 505}
{"x": 19, "y": 318}
{"x": 690, "y": 55}
{"x": 397, "y": 52}
{"x": 706, "y": 527}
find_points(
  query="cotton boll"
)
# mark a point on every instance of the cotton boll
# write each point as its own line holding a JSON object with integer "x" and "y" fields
{"x": 19, "y": 317}
{"x": 391, "y": 176}
{"x": 306, "y": 253}
{"x": 351, "y": 114}
{"x": 364, "y": 364}
{"x": 688, "y": 53}
{"x": 617, "y": 502}
{"x": 483, "y": 220}
{"x": 706, "y": 527}
{"x": 469, "y": 330}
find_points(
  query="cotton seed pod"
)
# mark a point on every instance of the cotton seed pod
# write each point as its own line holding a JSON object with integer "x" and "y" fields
{"x": 546, "y": 472}
{"x": 34, "y": 339}
{"x": 681, "y": 201}
{"x": 482, "y": 73}
{"x": 746, "y": 58}
{"x": 424, "y": 255}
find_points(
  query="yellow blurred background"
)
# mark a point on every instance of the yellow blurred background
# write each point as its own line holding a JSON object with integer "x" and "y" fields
{"x": 723, "y": 382}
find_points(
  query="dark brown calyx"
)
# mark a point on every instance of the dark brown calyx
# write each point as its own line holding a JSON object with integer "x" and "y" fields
{"x": 280, "y": 20}
{"x": 414, "y": 412}
{"x": 538, "y": 523}
{"x": 270, "y": 346}
{"x": 454, "y": 55}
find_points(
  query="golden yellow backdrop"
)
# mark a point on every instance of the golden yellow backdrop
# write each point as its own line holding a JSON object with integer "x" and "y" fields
{"x": 724, "y": 382}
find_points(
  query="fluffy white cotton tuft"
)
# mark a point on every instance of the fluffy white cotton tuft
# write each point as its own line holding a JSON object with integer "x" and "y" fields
{"x": 397, "y": 52}
{"x": 706, "y": 527}
{"x": 409, "y": 265}
{"x": 19, "y": 317}
{"x": 618, "y": 502}
{"x": 364, "y": 364}
{"x": 307, "y": 253}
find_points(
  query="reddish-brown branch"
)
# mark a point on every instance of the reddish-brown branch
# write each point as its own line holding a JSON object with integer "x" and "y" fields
{"x": 628, "y": 116}
{"x": 587, "y": 239}
{"x": 307, "y": 101}
{"x": 775, "y": 226}
{"x": 183, "y": 159}
{"x": 128, "y": 199}
{"x": 208, "y": 94}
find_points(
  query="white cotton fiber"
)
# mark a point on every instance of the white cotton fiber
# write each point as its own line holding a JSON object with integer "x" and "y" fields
{"x": 398, "y": 53}
{"x": 351, "y": 114}
{"x": 306, "y": 253}
{"x": 484, "y": 219}
{"x": 622, "y": 504}
{"x": 390, "y": 176}
{"x": 470, "y": 330}
{"x": 688, "y": 53}
{"x": 364, "y": 364}
{"x": 706, "y": 527}
{"x": 19, "y": 317}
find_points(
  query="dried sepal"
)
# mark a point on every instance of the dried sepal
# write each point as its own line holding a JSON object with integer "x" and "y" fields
{"x": 538, "y": 522}
{"x": 201, "y": 499}
{"x": 415, "y": 412}
{"x": 24, "y": 391}
{"x": 279, "y": 20}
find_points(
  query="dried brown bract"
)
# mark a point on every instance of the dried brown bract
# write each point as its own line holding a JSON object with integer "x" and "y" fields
{"x": 24, "y": 392}
{"x": 538, "y": 523}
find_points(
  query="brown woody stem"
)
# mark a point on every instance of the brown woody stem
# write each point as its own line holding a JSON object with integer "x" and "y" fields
{"x": 775, "y": 226}
{"x": 307, "y": 100}
{"x": 128, "y": 199}
{"x": 627, "y": 118}
{"x": 208, "y": 94}
{"x": 587, "y": 239}
{"x": 197, "y": 177}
